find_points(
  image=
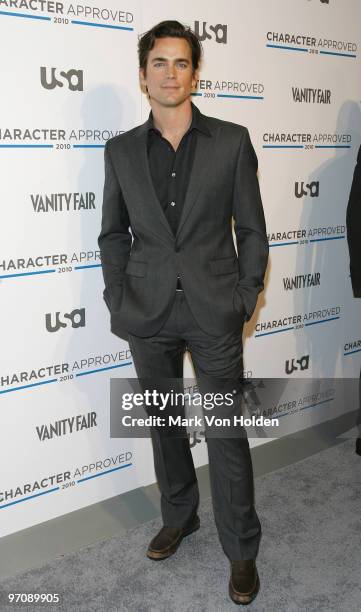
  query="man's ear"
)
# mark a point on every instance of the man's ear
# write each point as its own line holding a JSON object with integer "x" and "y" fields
{"x": 142, "y": 80}
{"x": 195, "y": 77}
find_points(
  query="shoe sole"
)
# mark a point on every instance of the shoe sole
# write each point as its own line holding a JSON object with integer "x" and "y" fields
{"x": 158, "y": 556}
{"x": 246, "y": 598}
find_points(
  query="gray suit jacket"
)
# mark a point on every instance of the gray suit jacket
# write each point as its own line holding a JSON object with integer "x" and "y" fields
{"x": 140, "y": 274}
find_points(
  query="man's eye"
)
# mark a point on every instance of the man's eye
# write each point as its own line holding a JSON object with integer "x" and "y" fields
{"x": 159, "y": 64}
{"x": 182, "y": 65}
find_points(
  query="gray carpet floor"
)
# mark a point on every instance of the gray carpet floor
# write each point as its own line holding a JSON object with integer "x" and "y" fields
{"x": 309, "y": 559}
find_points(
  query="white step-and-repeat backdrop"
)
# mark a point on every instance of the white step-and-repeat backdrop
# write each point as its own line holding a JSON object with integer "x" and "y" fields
{"x": 289, "y": 71}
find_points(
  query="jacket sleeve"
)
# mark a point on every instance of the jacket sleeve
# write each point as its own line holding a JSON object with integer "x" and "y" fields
{"x": 250, "y": 227}
{"x": 353, "y": 224}
{"x": 115, "y": 238}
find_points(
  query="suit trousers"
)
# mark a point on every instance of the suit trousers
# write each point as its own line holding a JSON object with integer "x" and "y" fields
{"x": 230, "y": 464}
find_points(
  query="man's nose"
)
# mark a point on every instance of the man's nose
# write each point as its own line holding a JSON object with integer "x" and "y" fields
{"x": 170, "y": 71}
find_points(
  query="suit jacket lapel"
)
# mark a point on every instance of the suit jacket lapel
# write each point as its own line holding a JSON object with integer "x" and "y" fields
{"x": 150, "y": 196}
{"x": 204, "y": 152}
{"x": 205, "y": 149}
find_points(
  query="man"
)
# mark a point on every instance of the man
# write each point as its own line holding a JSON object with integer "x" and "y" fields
{"x": 353, "y": 222}
{"x": 177, "y": 181}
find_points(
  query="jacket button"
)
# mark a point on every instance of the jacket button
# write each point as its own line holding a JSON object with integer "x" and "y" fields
{"x": 177, "y": 249}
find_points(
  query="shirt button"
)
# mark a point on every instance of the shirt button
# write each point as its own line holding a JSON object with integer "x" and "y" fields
{"x": 173, "y": 174}
{"x": 172, "y": 203}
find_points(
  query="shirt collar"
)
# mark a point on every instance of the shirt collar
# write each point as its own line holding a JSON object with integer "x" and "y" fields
{"x": 198, "y": 122}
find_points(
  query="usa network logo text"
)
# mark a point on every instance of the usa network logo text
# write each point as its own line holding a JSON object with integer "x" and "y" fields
{"x": 54, "y": 77}
{"x": 301, "y": 364}
{"x": 55, "y": 322}
{"x": 309, "y": 189}
{"x": 217, "y": 32}
{"x": 68, "y": 14}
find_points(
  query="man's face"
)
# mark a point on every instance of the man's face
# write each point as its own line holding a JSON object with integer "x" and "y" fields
{"x": 169, "y": 76}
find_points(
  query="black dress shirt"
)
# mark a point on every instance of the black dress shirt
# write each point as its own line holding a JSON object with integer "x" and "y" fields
{"x": 170, "y": 170}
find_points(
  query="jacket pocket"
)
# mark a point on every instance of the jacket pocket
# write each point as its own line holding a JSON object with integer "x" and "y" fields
{"x": 136, "y": 268}
{"x": 224, "y": 265}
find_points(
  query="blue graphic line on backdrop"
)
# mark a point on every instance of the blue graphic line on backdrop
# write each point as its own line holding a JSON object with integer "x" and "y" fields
{"x": 281, "y": 244}
{"x": 121, "y": 467}
{"x": 43, "y": 382}
{"x": 92, "y": 146}
{"x": 90, "y": 266}
{"x": 318, "y": 403}
{"x": 278, "y": 331}
{"x": 332, "y": 146}
{"x": 352, "y": 352}
{"x": 283, "y": 146}
{"x": 27, "y": 273}
{"x": 323, "y": 239}
{"x": 243, "y": 97}
{"x": 101, "y": 25}
{"x": 26, "y": 146}
{"x": 51, "y": 380}
{"x": 287, "y": 48}
{"x": 279, "y": 416}
{"x": 196, "y": 94}
{"x": 18, "y": 501}
{"x": 9, "y": 14}
{"x": 278, "y": 244}
{"x": 335, "y": 53}
{"x": 323, "y": 321}
{"x": 121, "y": 365}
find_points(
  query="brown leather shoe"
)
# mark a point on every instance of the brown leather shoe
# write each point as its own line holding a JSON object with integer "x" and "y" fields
{"x": 166, "y": 542}
{"x": 244, "y": 581}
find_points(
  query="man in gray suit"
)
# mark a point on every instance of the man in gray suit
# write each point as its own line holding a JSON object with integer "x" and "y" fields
{"x": 174, "y": 282}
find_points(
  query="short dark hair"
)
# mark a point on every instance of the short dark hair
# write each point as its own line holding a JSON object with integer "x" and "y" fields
{"x": 164, "y": 29}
